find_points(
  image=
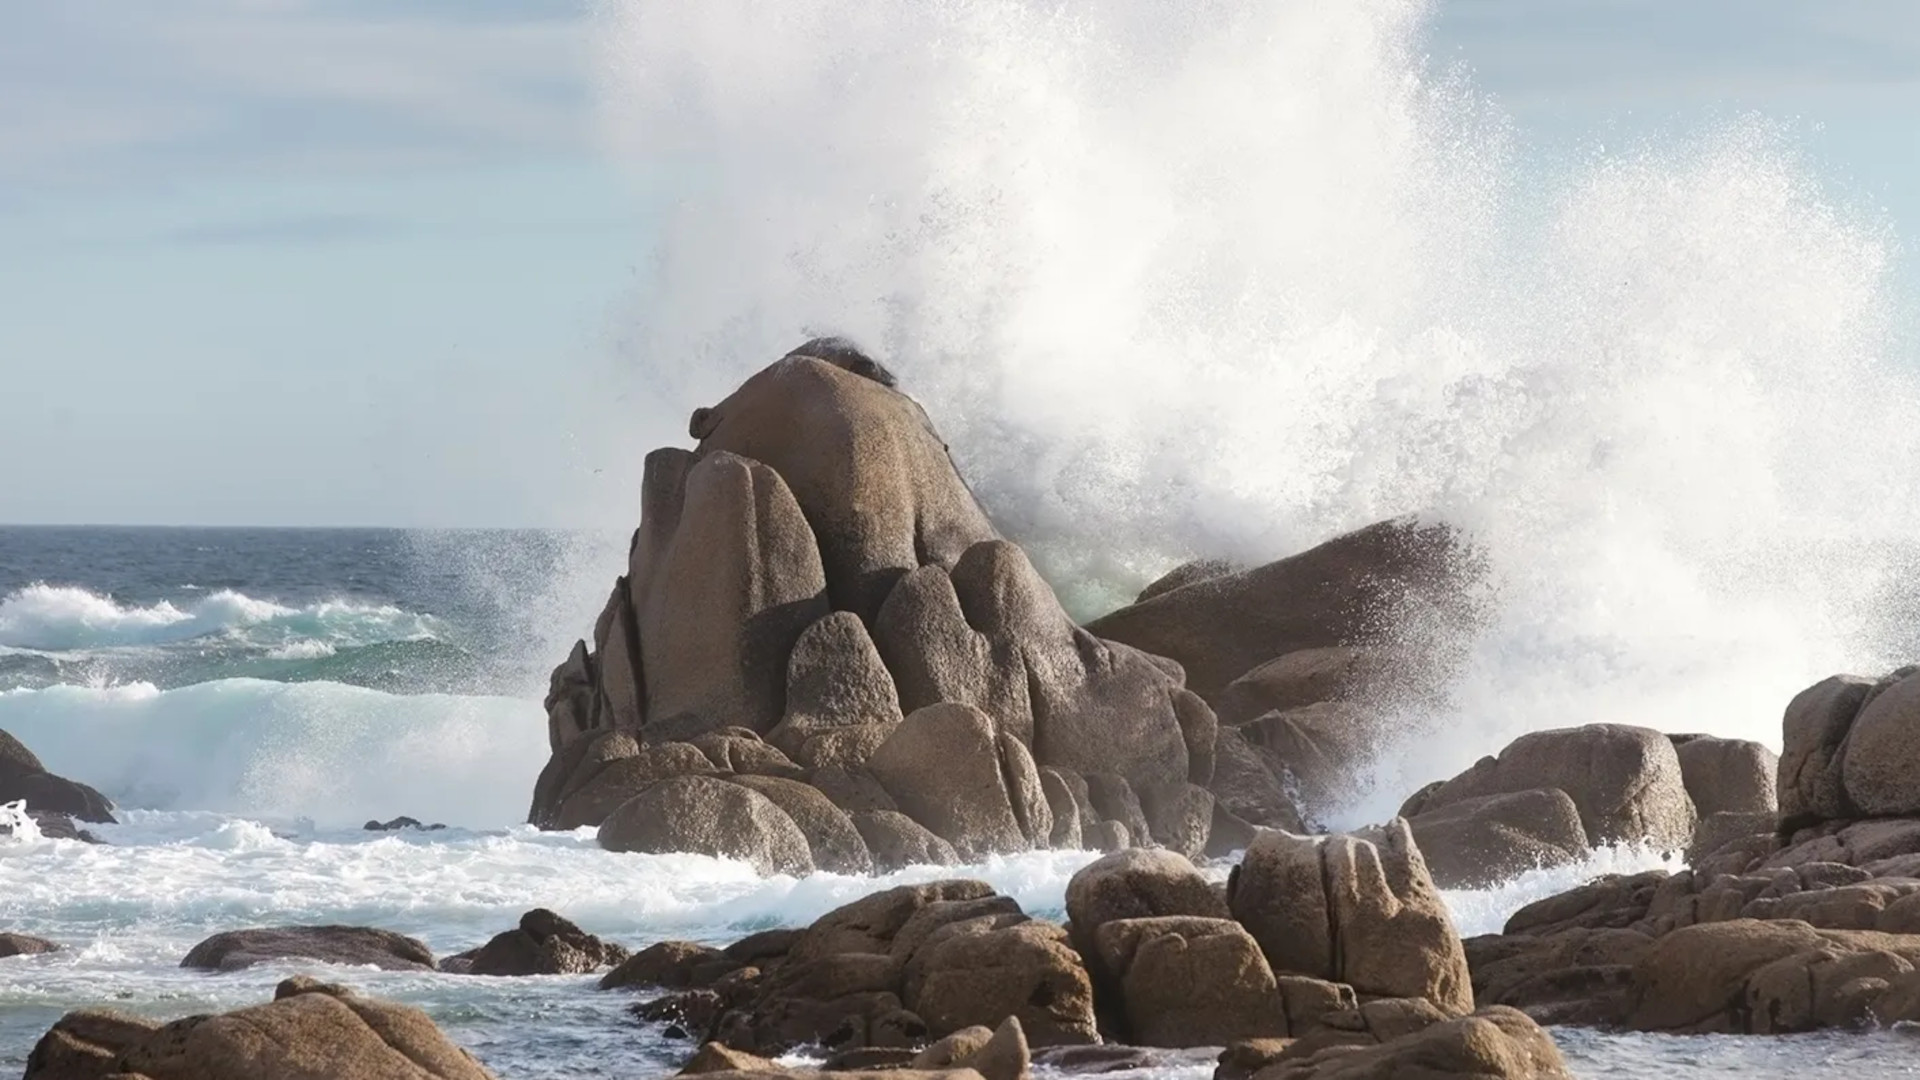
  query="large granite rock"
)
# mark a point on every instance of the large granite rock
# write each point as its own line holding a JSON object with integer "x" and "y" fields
{"x": 1342, "y": 592}
{"x": 709, "y": 816}
{"x": 233, "y": 950}
{"x": 1479, "y": 842}
{"x": 308, "y": 1030}
{"x": 1495, "y": 1043}
{"x": 1727, "y": 775}
{"x": 1625, "y": 781}
{"x": 815, "y": 573}
{"x": 1354, "y": 909}
{"x": 543, "y": 944}
{"x": 24, "y": 779}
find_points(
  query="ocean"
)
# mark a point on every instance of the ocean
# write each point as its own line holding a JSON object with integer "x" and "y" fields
{"x": 250, "y": 697}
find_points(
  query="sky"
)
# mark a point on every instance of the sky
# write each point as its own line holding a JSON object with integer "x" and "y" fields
{"x": 359, "y": 262}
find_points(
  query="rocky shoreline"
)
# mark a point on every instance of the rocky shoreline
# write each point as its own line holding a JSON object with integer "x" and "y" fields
{"x": 823, "y": 657}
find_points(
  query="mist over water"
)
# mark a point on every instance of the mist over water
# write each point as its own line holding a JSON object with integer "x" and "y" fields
{"x": 1231, "y": 280}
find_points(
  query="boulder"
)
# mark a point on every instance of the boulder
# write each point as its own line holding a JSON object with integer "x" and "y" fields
{"x": 1573, "y": 976}
{"x": 865, "y": 466}
{"x": 1716, "y": 831}
{"x": 673, "y": 965}
{"x": 1479, "y": 842}
{"x": 1299, "y": 678}
{"x": 1316, "y": 752}
{"x": 835, "y": 844}
{"x": 234, "y": 950}
{"x": 1247, "y": 786}
{"x": 1339, "y": 593}
{"x": 86, "y": 1045}
{"x": 1133, "y": 884}
{"x": 869, "y": 924}
{"x": 1727, "y": 775}
{"x": 897, "y": 841}
{"x": 1026, "y": 970}
{"x": 543, "y": 944}
{"x": 1816, "y": 724}
{"x": 615, "y": 768}
{"x": 1608, "y": 901}
{"x": 1495, "y": 1043}
{"x": 309, "y": 1030}
{"x": 24, "y": 779}
{"x": 1626, "y": 782}
{"x": 1000, "y": 1054}
{"x": 709, "y": 816}
{"x": 1186, "y": 574}
{"x": 716, "y": 1057}
{"x": 1186, "y": 981}
{"x": 1747, "y": 976}
{"x": 1353, "y": 909}
{"x": 1880, "y": 760}
{"x": 24, "y": 945}
{"x": 836, "y": 684}
{"x": 947, "y": 769}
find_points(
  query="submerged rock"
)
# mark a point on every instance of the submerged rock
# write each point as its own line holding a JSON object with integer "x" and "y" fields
{"x": 234, "y": 950}
{"x": 25, "y": 945}
{"x": 543, "y": 944}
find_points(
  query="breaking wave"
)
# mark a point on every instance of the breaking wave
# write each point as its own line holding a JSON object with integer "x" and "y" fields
{"x": 320, "y": 751}
{"x": 57, "y": 618}
{"x": 1230, "y": 279}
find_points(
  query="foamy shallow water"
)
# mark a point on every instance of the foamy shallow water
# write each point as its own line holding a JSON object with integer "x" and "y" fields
{"x": 128, "y": 912}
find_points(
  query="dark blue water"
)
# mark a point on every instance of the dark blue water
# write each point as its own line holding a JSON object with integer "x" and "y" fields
{"x": 399, "y": 611}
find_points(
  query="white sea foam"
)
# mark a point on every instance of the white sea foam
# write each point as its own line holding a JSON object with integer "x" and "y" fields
{"x": 1231, "y": 278}
{"x": 284, "y": 751}
{"x": 64, "y": 617}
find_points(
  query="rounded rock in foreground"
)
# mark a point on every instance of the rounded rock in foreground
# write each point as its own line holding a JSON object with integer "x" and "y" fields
{"x": 704, "y": 815}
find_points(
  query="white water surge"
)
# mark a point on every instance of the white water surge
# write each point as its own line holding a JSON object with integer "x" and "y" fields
{"x": 1232, "y": 278}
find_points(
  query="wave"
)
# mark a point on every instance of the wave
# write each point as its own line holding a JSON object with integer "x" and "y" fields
{"x": 1230, "y": 279}
{"x": 57, "y": 618}
{"x": 324, "y": 752}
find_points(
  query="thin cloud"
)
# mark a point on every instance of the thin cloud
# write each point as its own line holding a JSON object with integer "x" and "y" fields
{"x": 93, "y": 88}
{"x": 282, "y": 231}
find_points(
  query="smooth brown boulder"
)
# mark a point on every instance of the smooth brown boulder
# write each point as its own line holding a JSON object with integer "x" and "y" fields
{"x": 1185, "y": 981}
{"x": 1575, "y": 976}
{"x": 1247, "y": 785}
{"x": 864, "y": 464}
{"x": 1626, "y": 782}
{"x": 598, "y": 788}
{"x": 308, "y": 1030}
{"x": 1302, "y": 677}
{"x": 869, "y": 924}
{"x": 897, "y": 841}
{"x": 1137, "y": 883}
{"x": 836, "y": 683}
{"x": 24, "y": 778}
{"x": 706, "y": 815}
{"x": 1727, "y": 775}
{"x": 1815, "y": 726}
{"x": 1495, "y": 1043}
{"x": 1354, "y": 909}
{"x": 1220, "y": 628}
{"x": 1316, "y": 752}
{"x": 672, "y": 965}
{"x": 946, "y": 768}
{"x": 1880, "y": 764}
{"x": 1025, "y": 970}
{"x": 1746, "y": 976}
{"x": 1479, "y": 842}
{"x": 25, "y": 945}
{"x": 233, "y": 950}
{"x": 1186, "y": 574}
{"x": 835, "y": 844}
{"x": 716, "y": 1057}
{"x": 86, "y": 1045}
{"x": 726, "y": 576}
{"x": 543, "y": 944}
{"x": 996, "y": 1054}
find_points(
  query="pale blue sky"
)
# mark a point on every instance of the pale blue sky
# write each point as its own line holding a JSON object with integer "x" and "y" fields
{"x": 362, "y": 262}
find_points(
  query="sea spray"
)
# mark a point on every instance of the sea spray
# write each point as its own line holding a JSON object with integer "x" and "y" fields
{"x": 1232, "y": 279}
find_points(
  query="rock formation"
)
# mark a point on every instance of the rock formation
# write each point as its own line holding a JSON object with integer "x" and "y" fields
{"x": 814, "y": 602}
{"x": 1804, "y": 919}
{"x": 24, "y": 779}
{"x": 234, "y": 950}
{"x": 309, "y": 1029}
